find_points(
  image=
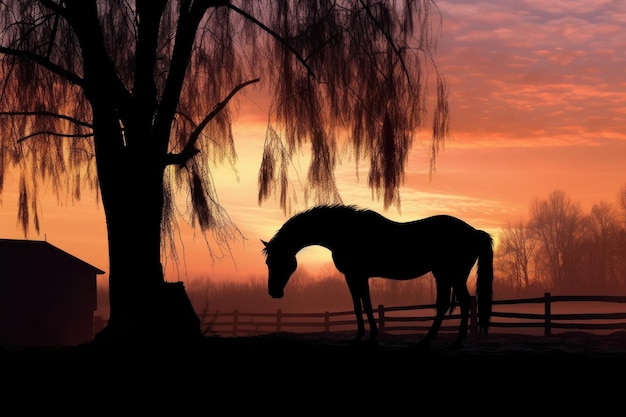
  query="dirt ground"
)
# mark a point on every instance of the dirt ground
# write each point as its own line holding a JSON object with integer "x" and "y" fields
{"x": 312, "y": 374}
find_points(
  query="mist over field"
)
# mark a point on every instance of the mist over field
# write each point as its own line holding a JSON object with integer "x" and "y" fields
{"x": 307, "y": 292}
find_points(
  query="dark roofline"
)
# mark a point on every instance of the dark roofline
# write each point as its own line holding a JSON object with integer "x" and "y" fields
{"x": 98, "y": 271}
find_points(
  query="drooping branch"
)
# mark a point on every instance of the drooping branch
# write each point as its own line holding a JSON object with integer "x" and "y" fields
{"x": 189, "y": 151}
{"x": 276, "y": 36}
{"x": 46, "y": 63}
{"x": 48, "y": 114}
{"x": 55, "y": 28}
{"x": 441, "y": 123}
{"x": 389, "y": 41}
{"x": 51, "y": 133}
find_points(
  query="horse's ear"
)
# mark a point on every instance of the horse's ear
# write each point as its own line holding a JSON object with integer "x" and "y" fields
{"x": 264, "y": 243}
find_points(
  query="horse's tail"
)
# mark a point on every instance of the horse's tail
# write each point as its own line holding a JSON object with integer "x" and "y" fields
{"x": 484, "y": 281}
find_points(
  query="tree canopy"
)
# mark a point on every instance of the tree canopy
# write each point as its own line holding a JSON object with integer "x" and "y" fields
{"x": 353, "y": 70}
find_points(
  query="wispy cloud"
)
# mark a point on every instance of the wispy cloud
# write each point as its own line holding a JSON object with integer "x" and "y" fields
{"x": 519, "y": 69}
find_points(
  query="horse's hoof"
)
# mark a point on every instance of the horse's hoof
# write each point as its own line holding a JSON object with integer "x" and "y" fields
{"x": 371, "y": 343}
{"x": 456, "y": 346}
{"x": 423, "y": 346}
{"x": 356, "y": 341}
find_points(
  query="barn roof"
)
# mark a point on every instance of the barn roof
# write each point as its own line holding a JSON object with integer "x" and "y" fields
{"x": 19, "y": 251}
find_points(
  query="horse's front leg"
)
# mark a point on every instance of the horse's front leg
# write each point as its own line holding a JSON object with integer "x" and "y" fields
{"x": 358, "y": 310}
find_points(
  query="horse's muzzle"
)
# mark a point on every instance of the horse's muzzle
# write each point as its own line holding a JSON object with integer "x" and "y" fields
{"x": 277, "y": 293}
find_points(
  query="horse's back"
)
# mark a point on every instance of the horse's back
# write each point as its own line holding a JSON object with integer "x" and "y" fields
{"x": 404, "y": 250}
{"x": 440, "y": 227}
{"x": 444, "y": 224}
{"x": 446, "y": 236}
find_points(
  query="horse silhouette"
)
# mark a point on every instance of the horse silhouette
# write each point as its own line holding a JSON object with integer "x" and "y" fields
{"x": 365, "y": 244}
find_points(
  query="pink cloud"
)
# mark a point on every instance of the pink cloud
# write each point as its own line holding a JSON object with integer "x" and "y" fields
{"x": 516, "y": 67}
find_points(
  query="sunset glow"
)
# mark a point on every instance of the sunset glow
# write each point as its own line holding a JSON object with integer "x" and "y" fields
{"x": 538, "y": 103}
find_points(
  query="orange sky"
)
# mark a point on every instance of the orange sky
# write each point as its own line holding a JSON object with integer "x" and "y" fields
{"x": 538, "y": 103}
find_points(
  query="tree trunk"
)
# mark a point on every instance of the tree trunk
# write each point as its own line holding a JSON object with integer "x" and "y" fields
{"x": 143, "y": 307}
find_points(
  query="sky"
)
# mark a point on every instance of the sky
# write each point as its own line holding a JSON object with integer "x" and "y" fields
{"x": 537, "y": 93}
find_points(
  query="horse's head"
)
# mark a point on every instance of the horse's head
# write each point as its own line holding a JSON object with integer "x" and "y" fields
{"x": 280, "y": 266}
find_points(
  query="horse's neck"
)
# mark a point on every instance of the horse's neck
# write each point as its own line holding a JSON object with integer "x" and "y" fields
{"x": 301, "y": 243}
{"x": 310, "y": 236}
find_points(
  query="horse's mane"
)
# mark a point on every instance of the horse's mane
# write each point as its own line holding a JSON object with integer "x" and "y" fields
{"x": 324, "y": 208}
{"x": 320, "y": 210}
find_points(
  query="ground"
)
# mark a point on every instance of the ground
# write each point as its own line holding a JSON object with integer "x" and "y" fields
{"x": 314, "y": 372}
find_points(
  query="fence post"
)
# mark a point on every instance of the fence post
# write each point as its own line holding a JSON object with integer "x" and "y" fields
{"x": 548, "y": 315}
{"x": 473, "y": 318}
{"x": 381, "y": 319}
{"x": 235, "y": 322}
{"x": 278, "y": 319}
{"x": 326, "y": 321}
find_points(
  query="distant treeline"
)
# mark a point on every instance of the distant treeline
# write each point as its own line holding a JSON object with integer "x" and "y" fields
{"x": 562, "y": 248}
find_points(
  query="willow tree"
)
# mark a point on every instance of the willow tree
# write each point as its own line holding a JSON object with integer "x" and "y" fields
{"x": 132, "y": 99}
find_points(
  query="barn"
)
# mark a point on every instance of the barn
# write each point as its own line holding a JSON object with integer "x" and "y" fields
{"x": 47, "y": 296}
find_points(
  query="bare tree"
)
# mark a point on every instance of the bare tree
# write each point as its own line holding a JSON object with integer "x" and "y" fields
{"x": 517, "y": 248}
{"x": 558, "y": 224}
{"x": 621, "y": 235}
{"x": 131, "y": 99}
{"x": 621, "y": 201}
{"x": 602, "y": 255}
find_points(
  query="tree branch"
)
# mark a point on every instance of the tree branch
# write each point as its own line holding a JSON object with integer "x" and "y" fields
{"x": 276, "y": 36}
{"x": 55, "y": 29}
{"x": 56, "y": 7}
{"x": 49, "y": 114}
{"x": 102, "y": 82}
{"x": 144, "y": 88}
{"x": 46, "y": 63}
{"x": 186, "y": 28}
{"x": 189, "y": 151}
{"x": 49, "y": 132}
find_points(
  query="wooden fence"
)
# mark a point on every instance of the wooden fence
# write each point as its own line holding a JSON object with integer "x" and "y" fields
{"x": 539, "y": 314}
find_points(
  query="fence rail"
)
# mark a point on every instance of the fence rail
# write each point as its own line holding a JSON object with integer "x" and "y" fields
{"x": 539, "y": 315}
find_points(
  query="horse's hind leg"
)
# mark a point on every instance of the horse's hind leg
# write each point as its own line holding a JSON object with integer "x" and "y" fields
{"x": 464, "y": 300}
{"x": 443, "y": 304}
